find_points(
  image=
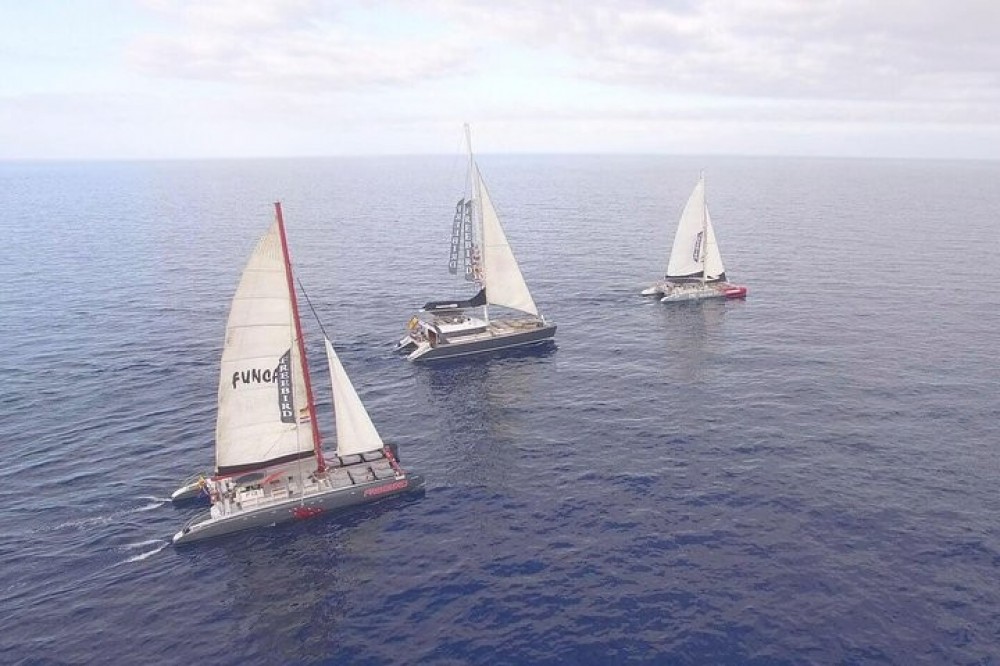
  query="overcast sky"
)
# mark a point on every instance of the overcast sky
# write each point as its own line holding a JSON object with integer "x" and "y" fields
{"x": 240, "y": 78}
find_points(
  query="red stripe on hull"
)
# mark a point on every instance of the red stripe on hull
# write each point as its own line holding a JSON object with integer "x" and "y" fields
{"x": 303, "y": 512}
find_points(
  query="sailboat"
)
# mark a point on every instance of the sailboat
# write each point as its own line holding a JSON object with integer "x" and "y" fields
{"x": 695, "y": 270}
{"x": 479, "y": 248}
{"x": 269, "y": 462}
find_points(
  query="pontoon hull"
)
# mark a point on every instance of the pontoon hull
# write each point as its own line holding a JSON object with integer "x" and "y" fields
{"x": 299, "y": 508}
{"x": 674, "y": 293}
{"x": 191, "y": 490}
{"x": 496, "y": 342}
{"x": 406, "y": 344}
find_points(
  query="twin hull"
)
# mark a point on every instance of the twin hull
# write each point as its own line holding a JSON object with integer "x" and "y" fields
{"x": 459, "y": 347}
{"x": 298, "y": 508}
{"x": 672, "y": 293}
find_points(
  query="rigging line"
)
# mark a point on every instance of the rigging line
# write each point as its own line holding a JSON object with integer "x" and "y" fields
{"x": 311, "y": 308}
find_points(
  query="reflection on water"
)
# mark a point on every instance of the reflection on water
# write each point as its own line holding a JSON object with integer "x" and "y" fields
{"x": 479, "y": 403}
{"x": 691, "y": 336}
{"x": 293, "y": 586}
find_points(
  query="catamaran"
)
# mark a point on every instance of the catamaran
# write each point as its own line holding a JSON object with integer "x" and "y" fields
{"x": 270, "y": 467}
{"x": 695, "y": 270}
{"x": 479, "y": 247}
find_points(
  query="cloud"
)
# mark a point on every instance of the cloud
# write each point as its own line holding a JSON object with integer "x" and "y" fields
{"x": 311, "y": 60}
{"x": 823, "y": 49}
{"x": 288, "y": 43}
{"x": 892, "y": 50}
{"x": 243, "y": 16}
{"x": 297, "y": 77}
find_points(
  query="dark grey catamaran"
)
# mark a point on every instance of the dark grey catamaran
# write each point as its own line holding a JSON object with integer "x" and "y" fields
{"x": 446, "y": 329}
{"x": 270, "y": 466}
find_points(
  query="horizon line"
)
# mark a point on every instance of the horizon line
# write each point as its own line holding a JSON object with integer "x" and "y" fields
{"x": 223, "y": 158}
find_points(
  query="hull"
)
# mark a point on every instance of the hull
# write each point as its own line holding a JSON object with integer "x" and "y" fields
{"x": 405, "y": 344}
{"x": 296, "y": 508}
{"x": 482, "y": 344}
{"x": 192, "y": 489}
{"x": 674, "y": 293}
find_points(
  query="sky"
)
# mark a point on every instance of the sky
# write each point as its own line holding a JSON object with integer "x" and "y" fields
{"x": 150, "y": 79}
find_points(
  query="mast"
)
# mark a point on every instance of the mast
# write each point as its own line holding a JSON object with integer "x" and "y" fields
{"x": 477, "y": 212}
{"x": 704, "y": 232}
{"x": 317, "y": 440}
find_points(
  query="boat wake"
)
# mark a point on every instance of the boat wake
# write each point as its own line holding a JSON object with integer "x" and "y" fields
{"x": 104, "y": 519}
{"x": 159, "y": 543}
{"x": 155, "y": 503}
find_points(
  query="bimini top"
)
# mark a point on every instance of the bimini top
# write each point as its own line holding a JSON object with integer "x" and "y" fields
{"x": 474, "y": 302}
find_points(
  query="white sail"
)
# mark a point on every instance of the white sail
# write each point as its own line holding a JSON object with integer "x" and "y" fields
{"x": 687, "y": 256}
{"x": 263, "y": 409}
{"x": 355, "y": 431}
{"x": 713, "y": 262}
{"x": 502, "y": 277}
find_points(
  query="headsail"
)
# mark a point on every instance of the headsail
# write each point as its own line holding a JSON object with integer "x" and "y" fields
{"x": 714, "y": 270}
{"x": 695, "y": 236}
{"x": 355, "y": 431}
{"x": 503, "y": 280}
{"x": 264, "y": 415}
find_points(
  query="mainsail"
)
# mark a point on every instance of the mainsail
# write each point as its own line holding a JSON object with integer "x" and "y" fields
{"x": 694, "y": 238}
{"x": 264, "y": 415}
{"x": 502, "y": 277}
{"x": 355, "y": 431}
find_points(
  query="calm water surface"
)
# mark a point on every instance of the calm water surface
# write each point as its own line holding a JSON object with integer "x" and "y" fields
{"x": 809, "y": 476}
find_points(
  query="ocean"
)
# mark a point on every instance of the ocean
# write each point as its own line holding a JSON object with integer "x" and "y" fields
{"x": 809, "y": 476}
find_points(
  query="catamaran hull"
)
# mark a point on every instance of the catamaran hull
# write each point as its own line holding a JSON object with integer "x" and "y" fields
{"x": 498, "y": 342}
{"x": 188, "y": 492}
{"x": 407, "y": 343}
{"x": 298, "y": 508}
{"x": 192, "y": 490}
{"x": 682, "y": 292}
{"x": 704, "y": 294}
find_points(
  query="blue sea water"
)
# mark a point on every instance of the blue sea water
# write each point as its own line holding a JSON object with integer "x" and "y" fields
{"x": 809, "y": 476}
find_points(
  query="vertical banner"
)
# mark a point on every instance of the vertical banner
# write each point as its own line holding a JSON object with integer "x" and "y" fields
{"x": 286, "y": 399}
{"x": 457, "y": 237}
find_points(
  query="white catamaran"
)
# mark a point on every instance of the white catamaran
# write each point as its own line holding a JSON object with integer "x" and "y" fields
{"x": 270, "y": 466}
{"x": 695, "y": 270}
{"x": 445, "y": 329}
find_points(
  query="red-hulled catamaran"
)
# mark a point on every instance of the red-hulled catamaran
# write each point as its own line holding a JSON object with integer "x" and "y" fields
{"x": 695, "y": 271}
{"x": 269, "y": 462}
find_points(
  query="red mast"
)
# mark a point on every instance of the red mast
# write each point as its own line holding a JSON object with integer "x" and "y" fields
{"x": 317, "y": 440}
